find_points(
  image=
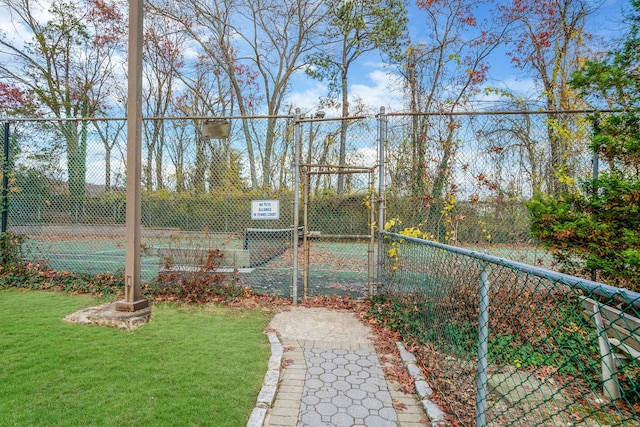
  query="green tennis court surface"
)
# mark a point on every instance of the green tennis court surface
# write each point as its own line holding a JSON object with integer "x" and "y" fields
{"x": 107, "y": 254}
{"x": 262, "y": 262}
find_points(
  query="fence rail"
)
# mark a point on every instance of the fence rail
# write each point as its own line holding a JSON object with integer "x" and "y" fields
{"x": 507, "y": 343}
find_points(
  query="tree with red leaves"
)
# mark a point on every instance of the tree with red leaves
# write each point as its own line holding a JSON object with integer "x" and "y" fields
{"x": 13, "y": 100}
{"x": 64, "y": 68}
{"x": 443, "y": 73}
{"x": 550, "y": 41}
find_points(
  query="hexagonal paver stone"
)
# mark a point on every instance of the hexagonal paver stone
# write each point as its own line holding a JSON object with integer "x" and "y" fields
{"x": 315, "y": 370}
{"x": 340, "y": 420}
{"x": 326, "y": 409}
{"x": 370, "y": 386}
{"x": 315, "y": 360}
{"x": 357, "y": 411}
{"x": 356, "y": 394}
{"x": 340, "y": 361}
{"x": 328, "y": 377}
{"x": 340, "y": 372}
{"x": 327, "y": 354}
{"x": 328, "y": 366}
{"x": 351, "y": 356}
{"x": 341, "y": 385}
{"x": 372, "y": 403}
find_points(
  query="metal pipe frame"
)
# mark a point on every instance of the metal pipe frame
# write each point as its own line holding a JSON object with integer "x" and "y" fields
{"x": 596, "y": 288}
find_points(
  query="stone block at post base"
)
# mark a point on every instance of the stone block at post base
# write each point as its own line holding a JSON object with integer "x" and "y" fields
{"x": 132, "y": 306}
{"x": 108, "y": 315}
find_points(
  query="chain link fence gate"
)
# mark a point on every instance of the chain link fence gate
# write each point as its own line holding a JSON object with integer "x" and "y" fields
{"x": 202, "y": 192}
{"x": 338, "y": 206}
{"x": 338, "y": 258}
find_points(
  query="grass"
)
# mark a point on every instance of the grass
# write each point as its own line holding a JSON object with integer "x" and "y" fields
{"x": 188, "y": 367}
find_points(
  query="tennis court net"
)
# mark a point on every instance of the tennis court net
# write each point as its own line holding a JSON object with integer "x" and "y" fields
{"x": 265, "y": 244}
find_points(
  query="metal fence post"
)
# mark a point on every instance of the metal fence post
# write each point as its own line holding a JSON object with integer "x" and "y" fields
{"x": 595, "y": 171}
{"x": 483, "y": 348}
{"x": 297, "y": 137}
{"x": 5, "y": 179}
{"x": 382, "y": 138}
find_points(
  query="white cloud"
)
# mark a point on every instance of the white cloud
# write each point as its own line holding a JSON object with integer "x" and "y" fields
{"x": 523, "y": 87}
{"x": 383, "y": 91}
{"x": 13, "y": 27}
{"x": 15, "y": 32}
{"x": 376, "y": 89}
{"x": 306, "y": 94}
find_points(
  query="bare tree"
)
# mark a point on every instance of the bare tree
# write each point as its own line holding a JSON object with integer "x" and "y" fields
{"x": 355, "y": 28}
{"x": 110, "y": 133}
{"x": 258, "y": 45}
{"x": 164, "y": 58}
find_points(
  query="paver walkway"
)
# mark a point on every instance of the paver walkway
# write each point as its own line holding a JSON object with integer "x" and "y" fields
{"x": 332, "y": 375}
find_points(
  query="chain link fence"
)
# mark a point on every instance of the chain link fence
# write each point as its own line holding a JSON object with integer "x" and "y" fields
{"x": 501, "y": 339}
{"x": 204, "y": 189}
{"x": 461, "y": 178}
{"x": 505, "y": 343}
{"x": 464, "y": 178}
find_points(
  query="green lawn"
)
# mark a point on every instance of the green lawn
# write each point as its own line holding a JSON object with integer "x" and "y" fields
{"x": 187, "y": 367}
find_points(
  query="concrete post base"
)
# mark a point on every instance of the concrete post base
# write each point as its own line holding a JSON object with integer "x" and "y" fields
{"x": 132, "y": 306}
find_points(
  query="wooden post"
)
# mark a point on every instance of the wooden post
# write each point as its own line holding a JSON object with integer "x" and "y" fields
{"x": 133, "y": 298}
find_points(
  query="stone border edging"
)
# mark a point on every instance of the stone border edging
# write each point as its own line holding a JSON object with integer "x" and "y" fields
{"x": 433, "y": 411}
{"x": 269, "y": 384}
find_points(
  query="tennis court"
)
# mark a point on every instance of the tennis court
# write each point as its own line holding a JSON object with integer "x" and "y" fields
{"x": 262, "y": 258}
{"x": 100, "y": 249}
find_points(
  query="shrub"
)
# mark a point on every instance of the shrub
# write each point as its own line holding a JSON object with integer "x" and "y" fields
{"x": 10, "y": 250}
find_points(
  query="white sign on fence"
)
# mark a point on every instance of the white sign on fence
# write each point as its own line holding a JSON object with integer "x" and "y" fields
{"x": 265, "y": 209}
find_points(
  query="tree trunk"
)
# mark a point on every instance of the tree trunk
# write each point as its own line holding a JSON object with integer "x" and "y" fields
{"x": 268, "y": 153}
{"x": 342, "y": 156}
{"x": 439, "y": 184}
{"x": 76, "y": 158}
{"x": 107, "y": 167}
{"x": 159, "y": 148}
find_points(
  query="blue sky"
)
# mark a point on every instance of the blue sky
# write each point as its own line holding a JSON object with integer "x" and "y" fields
{"x": 377, "y": 87}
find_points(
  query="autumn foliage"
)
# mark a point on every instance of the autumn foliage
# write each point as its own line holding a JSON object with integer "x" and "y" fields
{"x": 595, "y": 228}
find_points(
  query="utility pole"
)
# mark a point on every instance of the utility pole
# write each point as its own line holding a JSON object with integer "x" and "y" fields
{"x": 133, "y": 297}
